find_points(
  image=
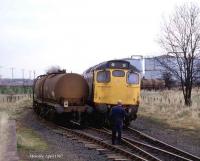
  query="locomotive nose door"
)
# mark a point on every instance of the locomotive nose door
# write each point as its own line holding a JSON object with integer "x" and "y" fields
{"x": 118, "y": 85}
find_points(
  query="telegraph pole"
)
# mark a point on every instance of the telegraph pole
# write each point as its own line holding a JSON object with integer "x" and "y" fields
{"x": 30, "y": 74}
{"x": 12, "y": 81}
{"x": 0, "y": 72}
{"x": 12, "y": 71}
{"x": 23, "y": 75}
{"x": 34, "y": 74}
{"x": 23, "y": 80}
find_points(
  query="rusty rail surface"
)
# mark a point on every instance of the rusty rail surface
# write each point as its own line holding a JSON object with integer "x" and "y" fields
{"x": 138, "y": 149}
{"x": 101, "y": 142}
{"x": 131, "y": 145}
{"x": 146, "y": 147}
{"x": 166, "y": 148}
{"x": 95, "y": 140}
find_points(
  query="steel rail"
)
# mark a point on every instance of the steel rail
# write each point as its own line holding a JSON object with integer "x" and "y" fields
{"x": 93, "y": 139}
{"x": 131, "y": 145}
{"x": 65, "y": 131}
{"x": 104, "y": 144}
{"x": 164, "y": 145}
{"x": 152, "y": 148}
{"x": 167, "y": 149}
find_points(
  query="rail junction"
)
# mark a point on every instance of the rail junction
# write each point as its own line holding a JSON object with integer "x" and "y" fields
{"x": 135, "y": 144}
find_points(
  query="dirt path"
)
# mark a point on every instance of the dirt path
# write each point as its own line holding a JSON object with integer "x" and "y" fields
{"x": 8, "y": 149}
{"x": 51, "y": 146}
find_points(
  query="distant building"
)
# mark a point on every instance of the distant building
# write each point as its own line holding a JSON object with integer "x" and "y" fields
{"x": 149, "y": 67}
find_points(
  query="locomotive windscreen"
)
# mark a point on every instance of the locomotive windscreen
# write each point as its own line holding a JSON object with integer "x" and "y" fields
{"x": 118, "y": 64}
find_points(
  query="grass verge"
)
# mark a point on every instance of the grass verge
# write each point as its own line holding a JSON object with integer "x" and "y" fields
{"x": 28, "y": 140}
{"x": 167, "y": 107}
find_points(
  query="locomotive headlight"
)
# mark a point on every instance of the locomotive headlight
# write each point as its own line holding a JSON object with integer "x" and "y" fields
{"x": 112, "y": 64}
{"x": 124, "y": 65}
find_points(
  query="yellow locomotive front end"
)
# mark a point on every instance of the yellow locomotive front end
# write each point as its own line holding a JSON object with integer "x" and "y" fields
{"x": 119, "y": 81}
{"x": 110, "y": 82}
{"x": 112, "y": 85}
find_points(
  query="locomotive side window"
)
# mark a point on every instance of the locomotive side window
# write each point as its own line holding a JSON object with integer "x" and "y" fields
{"x": 103, "y": 76}
{"x": 118, "y": 73}
{"x": 132, "y": 78}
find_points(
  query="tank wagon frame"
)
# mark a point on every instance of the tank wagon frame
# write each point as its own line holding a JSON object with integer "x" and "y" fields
{"x": 60, "y": 96}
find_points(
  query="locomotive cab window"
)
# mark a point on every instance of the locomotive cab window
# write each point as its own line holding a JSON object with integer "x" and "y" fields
{"x": 118, "y": 73}
{"x": 132, "y": 78}
{"x": 103, "y": 76}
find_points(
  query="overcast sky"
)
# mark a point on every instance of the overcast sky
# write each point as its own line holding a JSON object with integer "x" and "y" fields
{"x": 77, "y": 34}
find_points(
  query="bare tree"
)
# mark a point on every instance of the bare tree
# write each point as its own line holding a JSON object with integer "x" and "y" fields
{"x": 167, "y": 77}
{"x": 180, "y": 37}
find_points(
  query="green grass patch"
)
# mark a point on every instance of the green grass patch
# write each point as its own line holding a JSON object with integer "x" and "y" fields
{"x": 27, "y": 139}
{"x": 15, "y": 90}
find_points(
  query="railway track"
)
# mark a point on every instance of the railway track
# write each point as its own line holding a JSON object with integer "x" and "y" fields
{"x": 93, "y": 142}
{"x": 148, "y": 151}
{"x": 135, "y": 144}
{"x": 166, "y": 148}
{"x": 131, "y": 148}
{"x": 120, "y": 152}
{"x": 153, "y": 146}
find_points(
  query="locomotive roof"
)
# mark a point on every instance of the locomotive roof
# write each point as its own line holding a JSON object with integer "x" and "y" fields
{"x": 106, "y": 64}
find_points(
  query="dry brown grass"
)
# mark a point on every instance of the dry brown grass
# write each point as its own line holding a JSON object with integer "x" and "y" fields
{"x": 3, "y": 135}
{"x": 168, "y": 106}
{"x": 27, "y": 139}
{"x": 14, "y": 109}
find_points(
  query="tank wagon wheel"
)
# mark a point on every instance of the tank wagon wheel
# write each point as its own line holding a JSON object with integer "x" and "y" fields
{"x": 44, "y": 112}
{"x": 108, "y": 119}
{"x": 81, "y": 118}
{"x": 107, "y": 122}
{"x": 34, "y": 106}
{"x": 51, "y": 115}
{"x": 84, "y": 120}
{"x": 57, "y": 119}
{"x": 100, "y": 120}
{"x": 41, "y": 112}
{"x": 37, "y": 109}
{"x": 100, "y": 115}
{"x": 127, "y": 122}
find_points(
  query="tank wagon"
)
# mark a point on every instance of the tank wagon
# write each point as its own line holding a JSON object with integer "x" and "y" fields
{"x": 60, "y": 93}
{"x": 152, "y": 84}
{"x": 109, "y": 82}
